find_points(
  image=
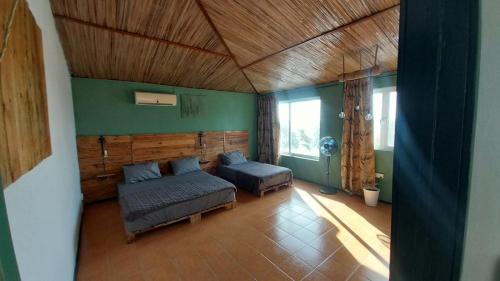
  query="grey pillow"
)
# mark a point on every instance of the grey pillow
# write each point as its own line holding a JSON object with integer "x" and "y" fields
{"x": 185, "y": 165}
{"x": 233, "y": 157}
{"x": 141, "y": 172}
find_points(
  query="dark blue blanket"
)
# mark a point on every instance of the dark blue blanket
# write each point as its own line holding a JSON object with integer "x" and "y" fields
{"x": 255, "y": 176}
{"x": 142, "y": 198}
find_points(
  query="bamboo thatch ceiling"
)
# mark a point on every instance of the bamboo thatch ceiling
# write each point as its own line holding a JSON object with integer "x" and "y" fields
{"x": 245, "y": 46}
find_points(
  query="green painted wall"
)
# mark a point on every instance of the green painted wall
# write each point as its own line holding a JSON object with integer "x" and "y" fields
{"x": 331, "y": 103}
{"x": 385, "y": 80}
{"x": 8, "y": 264}
{"x": 105, "y": 107}
{"x": 384, "y": 164}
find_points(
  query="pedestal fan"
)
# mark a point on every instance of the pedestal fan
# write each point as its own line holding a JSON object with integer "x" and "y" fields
{"x": 328, "y": 147}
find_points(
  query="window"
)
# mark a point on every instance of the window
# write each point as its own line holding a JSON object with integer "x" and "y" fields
{"x": 299, "y": 122}
{"x": 384, "y": 117}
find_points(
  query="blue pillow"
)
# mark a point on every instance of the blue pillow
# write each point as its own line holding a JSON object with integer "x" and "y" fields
{"x": 185, "y": 165}
{"x": 234, "y": 157}
{"x": 141, "y": 172}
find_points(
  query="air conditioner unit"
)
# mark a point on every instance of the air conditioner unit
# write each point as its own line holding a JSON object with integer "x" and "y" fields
{"x": 158, "y": 99}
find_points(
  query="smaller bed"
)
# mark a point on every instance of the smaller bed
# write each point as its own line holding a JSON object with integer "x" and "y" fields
{"x": 151, "y": 203}
{"x": 255, "y": 177}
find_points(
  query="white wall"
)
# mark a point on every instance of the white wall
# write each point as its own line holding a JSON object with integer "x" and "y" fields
{"x": 43, "y": 206}
{"x": 482, "y": 242}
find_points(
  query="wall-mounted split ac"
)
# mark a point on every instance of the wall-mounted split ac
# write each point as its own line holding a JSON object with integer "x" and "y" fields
{"x": 157, "y": 99}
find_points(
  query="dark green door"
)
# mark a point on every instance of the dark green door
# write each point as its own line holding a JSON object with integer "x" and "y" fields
{"x": 8, "y": 264}
{"x": 435, "y": 112}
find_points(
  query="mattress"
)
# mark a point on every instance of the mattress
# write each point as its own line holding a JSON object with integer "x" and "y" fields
{"x": 255, "y": 176}
{"x": 153, "y": 202}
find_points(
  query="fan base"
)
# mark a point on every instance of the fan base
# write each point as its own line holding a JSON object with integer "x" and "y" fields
{"x": 328, "y": 190}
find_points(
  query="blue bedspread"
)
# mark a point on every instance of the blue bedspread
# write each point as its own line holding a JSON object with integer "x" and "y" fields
{"x": 255, "y": 176}
{"x": 142, "y": 198}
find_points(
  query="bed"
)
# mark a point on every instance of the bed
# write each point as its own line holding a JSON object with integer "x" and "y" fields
{"x": 255, "y": 177}
{"x": 150, "y": 203}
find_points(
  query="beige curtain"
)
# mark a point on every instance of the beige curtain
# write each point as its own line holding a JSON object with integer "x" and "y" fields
{"x": 268, "y": 129}
{"x": 358, "y": 155}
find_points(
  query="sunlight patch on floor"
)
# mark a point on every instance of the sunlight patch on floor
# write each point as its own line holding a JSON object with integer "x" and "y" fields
{"x": 356, "y": 233}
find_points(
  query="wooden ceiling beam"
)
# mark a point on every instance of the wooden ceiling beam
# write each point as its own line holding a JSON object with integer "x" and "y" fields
{"x": 124, "y": 32}
{"x": 340, "y": 28}
{"x": 205, "y": 13}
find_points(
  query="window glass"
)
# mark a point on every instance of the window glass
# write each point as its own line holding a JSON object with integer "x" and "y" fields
{"x": 384, "y": 118}
{"x": 300, "y": 126}
{"x": 305, "y": 121}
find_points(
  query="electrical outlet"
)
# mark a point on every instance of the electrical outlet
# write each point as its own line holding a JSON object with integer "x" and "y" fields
{"x": 379, "y": 176}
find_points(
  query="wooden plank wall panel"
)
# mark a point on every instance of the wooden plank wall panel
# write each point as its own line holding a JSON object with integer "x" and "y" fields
{"x": 90, "y": 158}
{"x": 119, "y": 153}
{"x": 24, "y": 128}
{"x": 236, "y": 140}
{"x": 163, "y": 148}
{"x": 213, "y": 143}
{"x": 100, "y": 175}
{"x": 101, "y": 188}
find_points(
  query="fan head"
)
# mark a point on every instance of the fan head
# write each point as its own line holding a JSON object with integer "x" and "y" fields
{"x": 328, "y": 146}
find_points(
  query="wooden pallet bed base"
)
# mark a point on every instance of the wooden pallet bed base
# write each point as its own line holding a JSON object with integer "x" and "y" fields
{"x": 194, "y": 218}
{"x": 275, "y": 188}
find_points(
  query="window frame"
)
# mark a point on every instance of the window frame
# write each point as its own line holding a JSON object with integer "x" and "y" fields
{"x": 384, "y": 122}
{"x": 290, "y": 153}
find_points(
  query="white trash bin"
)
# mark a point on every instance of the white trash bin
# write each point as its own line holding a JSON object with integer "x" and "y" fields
{"x": 371, "y": 196}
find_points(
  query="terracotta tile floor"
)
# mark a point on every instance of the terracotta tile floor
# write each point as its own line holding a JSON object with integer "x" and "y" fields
{"x": 293, "y": 234}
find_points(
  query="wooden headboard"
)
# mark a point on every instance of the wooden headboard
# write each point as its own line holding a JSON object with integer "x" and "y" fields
{"x": 101, "y": 160}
